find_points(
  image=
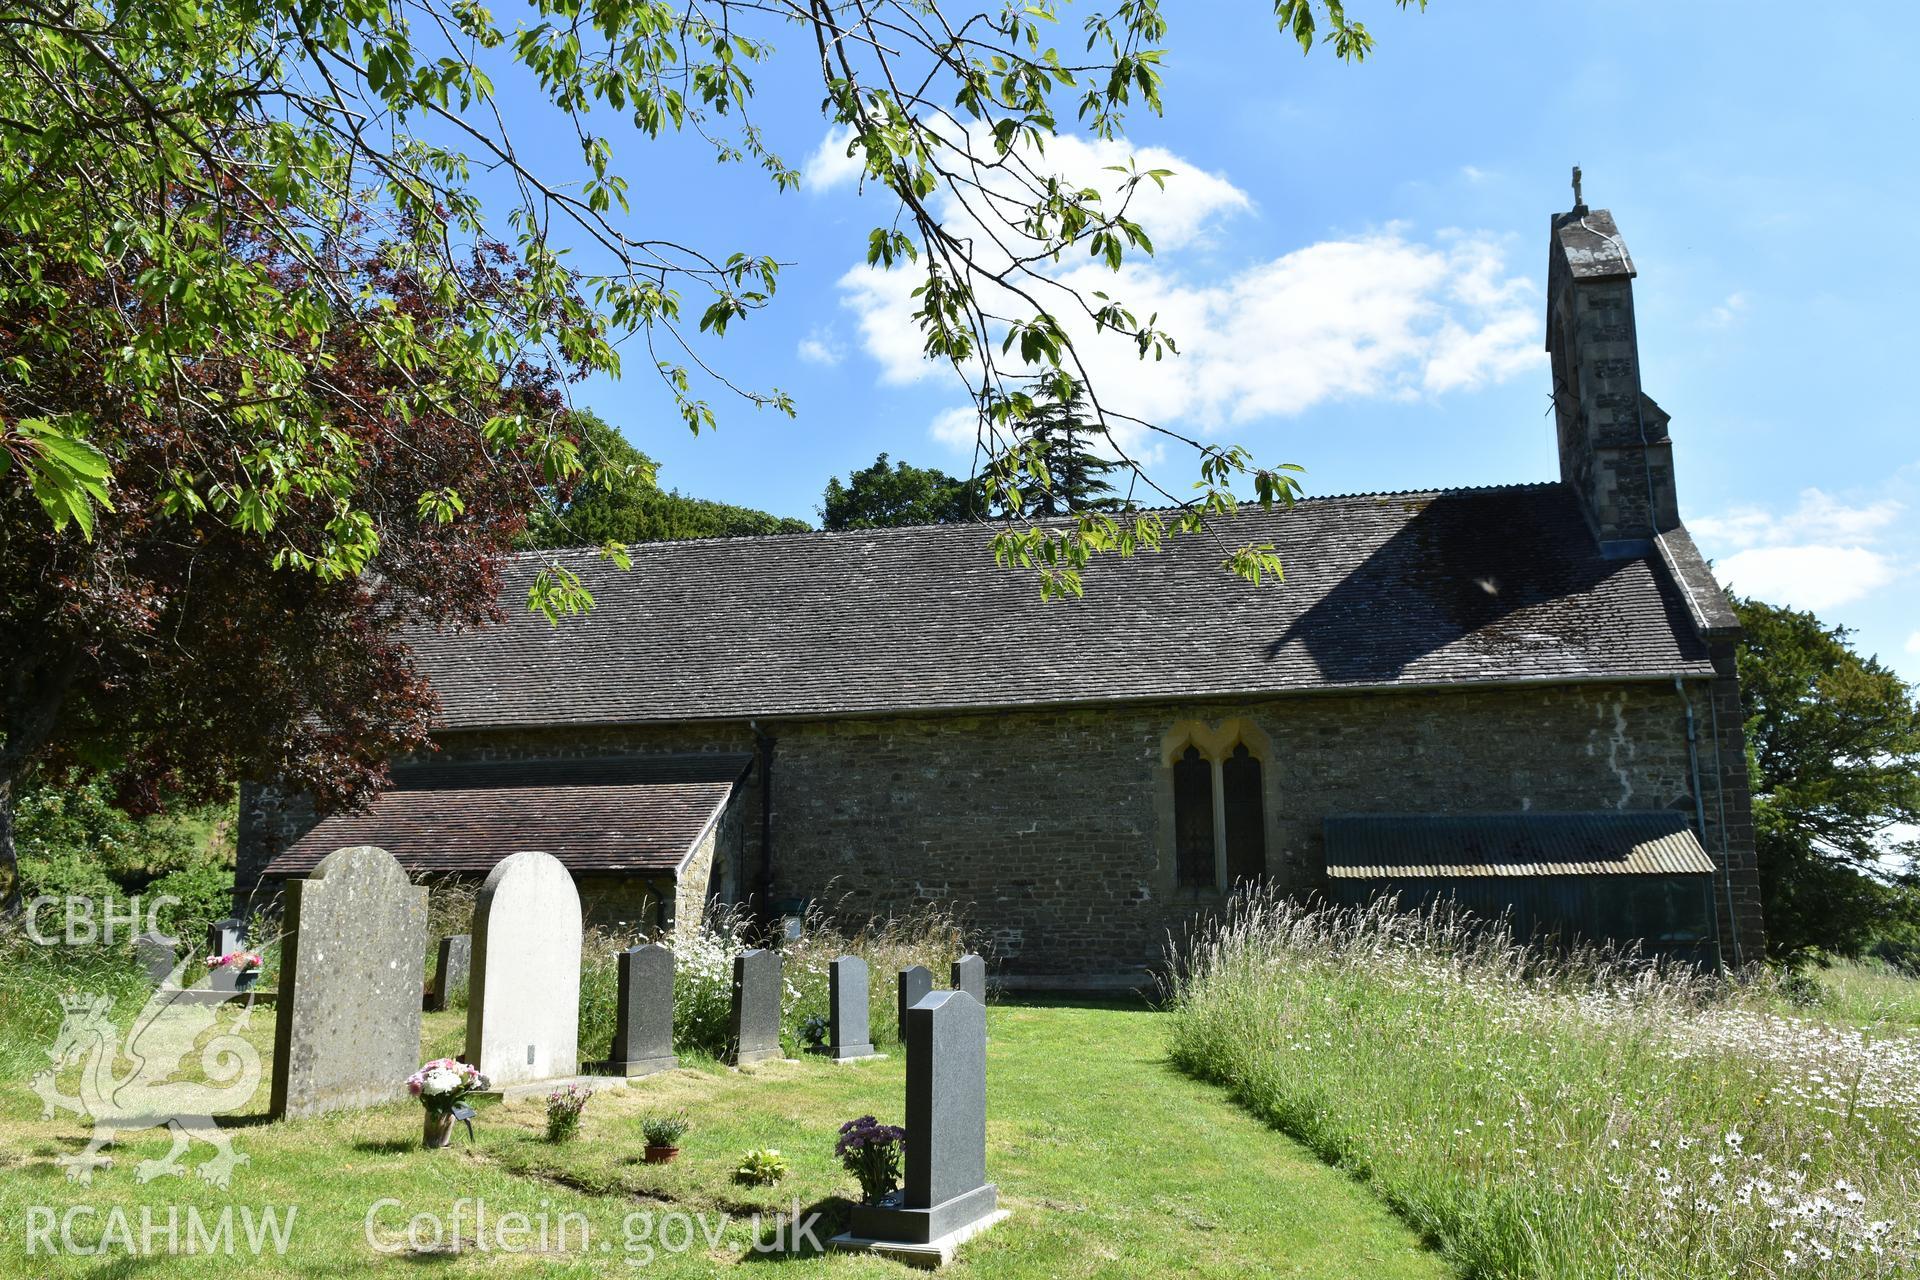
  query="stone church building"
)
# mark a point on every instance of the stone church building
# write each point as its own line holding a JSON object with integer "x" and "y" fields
{"x": 1520, "y": 696}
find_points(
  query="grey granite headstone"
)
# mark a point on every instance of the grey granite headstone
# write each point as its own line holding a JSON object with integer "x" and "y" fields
{"x": 643, "y": 1022}
{"x": 347, "y": 1028}
{"x": 452, "y": 970}
{"x": 156, "y": 955}
{"x": 847, "y": 1035}
{"x": 946, "y": 1150}
{"x": 915, "y": 982}
{"x": 523, "y": 997}
{"x": 756, "y": 1007}
{"x": 224, "y": 937}
{"x": 970, "y": 976}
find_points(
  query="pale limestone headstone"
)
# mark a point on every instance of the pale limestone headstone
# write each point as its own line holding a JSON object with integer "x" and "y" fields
{"x": 453, "y": 963}
{"x": 523, "y": 996}
{"x": 347, "y": 1027}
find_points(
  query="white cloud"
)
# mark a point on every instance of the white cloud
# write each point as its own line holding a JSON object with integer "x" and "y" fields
{"x": 956, "y": 428}
{"x": 1473, "y": 173}
{"x": 1816, "y": 555}
{"x": 821, "y": 346}
{"x": 1913, "y": 643}
{"x": 1723, "y": 316}
{"x": 1808, "y": 577}
{"x": 830, "y": 166}
{"x": 1818, "y": 517}
{"x": 1372, "y": 316}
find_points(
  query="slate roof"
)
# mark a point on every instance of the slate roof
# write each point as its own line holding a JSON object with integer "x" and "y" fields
{"x": 1382, "y": 590}
{"x": 1415, "y": 846}
{"x": 636, "y": 814}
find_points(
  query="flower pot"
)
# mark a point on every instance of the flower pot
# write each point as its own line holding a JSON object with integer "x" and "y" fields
{"x": 661, "y": 1155}
{"x": 243, "y": 979}
{"x": 437, "y": 1131}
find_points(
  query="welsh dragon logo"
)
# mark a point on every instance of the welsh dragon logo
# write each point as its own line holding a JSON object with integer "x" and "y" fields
{"x": 165, "y": 1036}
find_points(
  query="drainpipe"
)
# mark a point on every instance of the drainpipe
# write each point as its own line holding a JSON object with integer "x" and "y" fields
{"x": 1700, "y": 813}
{"x": 765, "y": 743}
{"x": 1726, "y": 851}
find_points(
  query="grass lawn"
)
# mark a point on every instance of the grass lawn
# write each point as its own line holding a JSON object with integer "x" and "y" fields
{"x": 1113, "y": 1163}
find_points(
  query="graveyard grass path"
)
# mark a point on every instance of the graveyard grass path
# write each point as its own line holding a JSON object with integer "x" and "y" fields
{"x": 1115, "y": 1166}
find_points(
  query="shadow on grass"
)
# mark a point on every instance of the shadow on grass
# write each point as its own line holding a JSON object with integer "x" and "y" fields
{"x": 779, "y": 1242}
{"x": 386, "y": 1146}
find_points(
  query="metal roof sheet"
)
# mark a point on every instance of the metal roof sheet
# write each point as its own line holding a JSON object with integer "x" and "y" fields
{"x": 1415, "y": 846}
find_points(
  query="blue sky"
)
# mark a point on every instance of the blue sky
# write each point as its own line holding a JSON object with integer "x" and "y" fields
{"x": 1353, "y": 258}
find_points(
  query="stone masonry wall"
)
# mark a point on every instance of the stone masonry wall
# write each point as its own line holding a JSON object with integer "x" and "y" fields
{"x": 1051, "y": 828}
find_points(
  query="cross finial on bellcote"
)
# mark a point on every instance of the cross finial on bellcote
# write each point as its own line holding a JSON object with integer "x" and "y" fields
{"x": 1578, "y": 201}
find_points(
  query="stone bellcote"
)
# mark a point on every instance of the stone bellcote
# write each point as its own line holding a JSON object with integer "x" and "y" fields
{"x": 1614, "y": 450}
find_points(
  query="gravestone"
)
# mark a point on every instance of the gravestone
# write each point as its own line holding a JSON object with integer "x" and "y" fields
{"x": 156, "y": 955}
{"x": 523, "y": 995}
{"x": 451, "y": 971}
{"x": 970, "y": 976}
{"x": 755, "y": 1029}
{"x": 224, "y": 937}
{"x": 947, "y": 1197}
{"x": 848, "y": 1036}
{"x": 643, "y": 1021}
{"x": 915, "y": 982}
{"x": 347, "y": 1027}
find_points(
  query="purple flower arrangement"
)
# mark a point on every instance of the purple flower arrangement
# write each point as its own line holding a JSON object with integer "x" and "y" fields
{"x": 870, "y": 1151}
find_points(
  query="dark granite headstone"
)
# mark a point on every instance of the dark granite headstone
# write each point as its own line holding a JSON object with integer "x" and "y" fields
{"x": 451, "y": 971}
{"x": 755, "y": 1029}
{"x": 156, "y": 955}
{"x": 347, "y": 1029}
{"x": 970, "y": 976}
{"x": 946, "y": 1184}
{"x": 643, "y": 1020}
{"x": 224, "y": 937}
{"x": 915, "y": 982}
{"x": 848, "y": 1035}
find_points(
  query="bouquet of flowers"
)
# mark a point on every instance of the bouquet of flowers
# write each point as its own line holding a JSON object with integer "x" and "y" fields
{"x": 443, "y": 1083}
{"x": 245, "y": 961}
{"x": 814, "y": 1031}
{"x": 870, "y": 1151}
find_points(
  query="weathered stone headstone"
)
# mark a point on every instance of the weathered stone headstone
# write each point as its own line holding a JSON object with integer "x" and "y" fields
{"x": 347, "y": 1028}
{"x": 848, "y": 1036}
{"x": 643, "y": 1021}
{"x": 224, "y": 937}
{"x": 451, "y": 970}
{"x": 915, "y": 982}
{"x": 523, "y": 996}
{"x": 156, "y": 955}
{"x": 756, "y": 1007}
{"x": 970, "y": 976}
{"x": 947, "y": 1196}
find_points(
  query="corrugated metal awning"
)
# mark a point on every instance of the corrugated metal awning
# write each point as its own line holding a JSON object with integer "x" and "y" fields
{"x": 640, "y": 814}
{"x": 1414, "y": 846}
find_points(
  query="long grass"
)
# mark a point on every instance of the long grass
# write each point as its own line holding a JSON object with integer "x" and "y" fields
{"x": 1553, "y": 1117}
{"x": 703, "y": 972}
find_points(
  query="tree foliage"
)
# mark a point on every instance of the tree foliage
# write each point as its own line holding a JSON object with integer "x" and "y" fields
{"x": 139, "y": 140}
{"x": 1833, "y": 740}
{"x": 1055, "y": 470}
{"x": 622, "y": 503}
{"x": 885, "y": 496}
{"x": 177, "y": 649}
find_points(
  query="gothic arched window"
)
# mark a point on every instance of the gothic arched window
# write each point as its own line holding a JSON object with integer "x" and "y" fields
{"x": 1193, "y": 819}
{"x": 1245, "y": 816}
